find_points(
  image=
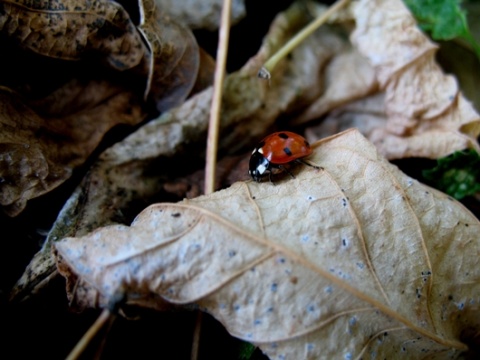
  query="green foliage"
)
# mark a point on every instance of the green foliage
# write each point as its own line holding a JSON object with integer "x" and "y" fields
{"x": 458, "y": 174}
{"x": 443, "y": 19}
{"x": 246, "y": 351}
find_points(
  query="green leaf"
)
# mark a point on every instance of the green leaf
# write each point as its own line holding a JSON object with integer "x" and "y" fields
{"x": 458, "y": 175}
{"x": 443, "y": 19}
{"x": 246, "y": 351}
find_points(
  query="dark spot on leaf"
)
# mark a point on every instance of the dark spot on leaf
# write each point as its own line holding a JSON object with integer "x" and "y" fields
{"x": 419, "y": 293}
{"x": 176, "y": 215}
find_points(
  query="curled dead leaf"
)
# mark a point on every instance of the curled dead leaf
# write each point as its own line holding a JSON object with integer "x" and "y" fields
{"x": 427, "y": 115}
{"x": 70, "y": 29}
{"x": 38, "y": 153}
{"x": 354, "y": 259}
{"x": 424, "y": 112}
{"x": 172, "y": 59}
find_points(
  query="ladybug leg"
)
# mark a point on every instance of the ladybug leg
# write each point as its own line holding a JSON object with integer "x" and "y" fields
{"x": 308, "y": 163}
{"x": 270, "y": 178}
{"x": 284, "y": 168}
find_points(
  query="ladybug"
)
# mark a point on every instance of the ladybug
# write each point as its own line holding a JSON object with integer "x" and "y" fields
{"x": 275, "y": 151}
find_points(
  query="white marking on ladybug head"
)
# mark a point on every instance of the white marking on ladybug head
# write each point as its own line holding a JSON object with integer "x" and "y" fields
{"x": 261, "y": 169}
{"x": 260, "y": 150}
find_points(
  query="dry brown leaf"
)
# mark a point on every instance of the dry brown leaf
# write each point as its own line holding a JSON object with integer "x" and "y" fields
{"x": 70, "y": 29}
{"x": 172, "y": 60}
{"x": 39, "y": 153}
{"x": 166, "y": 52}
{"x": 351, "y": 261}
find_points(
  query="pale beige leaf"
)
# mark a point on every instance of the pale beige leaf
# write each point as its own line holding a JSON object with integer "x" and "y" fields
{"x": 421, "y": 102}
{"x": 366, "y": 114}
{"x": 351, "y": 261}
{"x": 348, "y": 77}
{"x": 204, "y": 14}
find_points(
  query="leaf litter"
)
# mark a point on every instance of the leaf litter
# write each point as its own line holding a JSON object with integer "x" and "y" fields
{"x": 424, "y": 111}
{"x": 161, "y": 65}
{"x": 133, "y": 171}
{"x": 367, "y": 295}
{"x": 308, "y": 266}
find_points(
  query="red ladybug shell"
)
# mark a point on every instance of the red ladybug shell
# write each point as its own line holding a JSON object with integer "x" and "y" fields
{"x": 275, "y": 151}
{"x": 283, "y": 147}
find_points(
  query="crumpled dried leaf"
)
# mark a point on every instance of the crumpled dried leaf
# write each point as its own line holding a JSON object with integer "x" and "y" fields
{"x": 347, "y": 77}
{"x": 166, "y": 53}
{"x": 337, "y": 263}
{"x": 39, "y": 153}
{"x": 426, "y": 115}
{"x": 133, "y": 170}
{"x": 201, "y": 15}
{"x": 70, "y": 29}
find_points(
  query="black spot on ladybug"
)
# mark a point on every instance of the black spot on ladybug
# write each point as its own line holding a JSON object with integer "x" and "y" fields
{"x": 287, "y": 151}
{"x": 283, "y": 135}
{"x": 176, "y": 215}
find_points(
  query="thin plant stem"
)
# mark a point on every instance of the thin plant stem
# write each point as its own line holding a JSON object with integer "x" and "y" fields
{"x": 196, "y": 335}
{"x": 80, "y": 347}
{"x": 213, "y": 129}
{"x": 299, "y": 37}
{"x": 214, "y": 121}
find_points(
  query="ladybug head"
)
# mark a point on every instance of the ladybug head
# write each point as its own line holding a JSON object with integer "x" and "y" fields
{"x": 259, "y": 166}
